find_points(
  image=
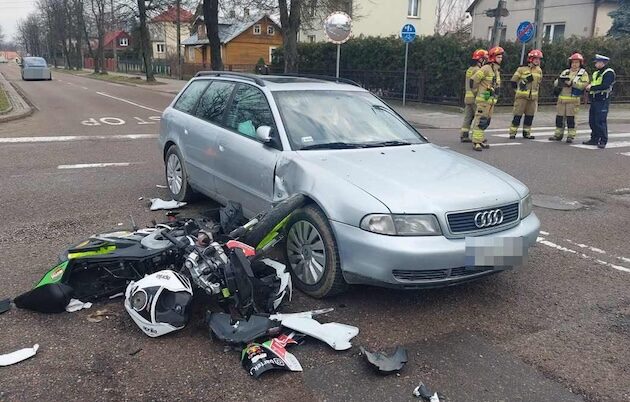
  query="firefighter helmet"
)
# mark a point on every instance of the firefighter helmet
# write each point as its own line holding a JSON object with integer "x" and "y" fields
{"x": 577, "y": 56}
{"x": 534, "y": 54}
{"x": 494, "y": 52}
{"x": 480, "y": 54}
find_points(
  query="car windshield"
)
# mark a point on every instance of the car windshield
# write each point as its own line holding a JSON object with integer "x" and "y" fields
{"x": 341, "y": 119}
{"x": 36, "y": 62}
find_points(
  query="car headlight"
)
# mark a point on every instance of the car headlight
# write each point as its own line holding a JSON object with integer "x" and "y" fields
{"x": 526, "y": 206}
{"x": 401, "y": 225}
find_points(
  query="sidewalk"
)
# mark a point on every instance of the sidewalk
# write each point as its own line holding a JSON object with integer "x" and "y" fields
{"x": 169, "y": 85}
{"x": 20, "y": 109}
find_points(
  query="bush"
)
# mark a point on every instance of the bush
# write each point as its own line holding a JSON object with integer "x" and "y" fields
{"x": 442, "y": 60}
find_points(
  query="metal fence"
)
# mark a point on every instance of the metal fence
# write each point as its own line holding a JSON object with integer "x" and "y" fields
{"x": 388, "y": 85}
{"x": 159, "y": 67}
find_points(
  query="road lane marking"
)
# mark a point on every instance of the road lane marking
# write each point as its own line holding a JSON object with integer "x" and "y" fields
{"x": 496, "y": 130}
{"x": 624, "y": 153}
{"x": 502, "y": 144}
{"x": 129, "y": 102}
{"x": 616, "y": 144}
{"x": 97, "y": 165}
{"x": 67, "y": 138}
{"x": 544, "y": 241}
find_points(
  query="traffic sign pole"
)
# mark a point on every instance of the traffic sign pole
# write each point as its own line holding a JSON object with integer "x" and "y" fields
{"x": 405, "y": 79}
{"x": 338, "y": 57}
{"x": 523, "y": 54}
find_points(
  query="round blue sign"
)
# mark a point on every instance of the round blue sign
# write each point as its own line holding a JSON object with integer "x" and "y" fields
{"x": 408, "y": 33}
{"x": 525, "y": 31}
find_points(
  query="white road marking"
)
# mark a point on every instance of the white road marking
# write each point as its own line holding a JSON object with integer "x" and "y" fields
{"x": 558, "y": 247}
{"x": 502, "y": 144}
{"x": 112, "y": 121}
{"x": 129, "y": 102}
{"x": 84, "y": 88}
{"x": 496, "y": 130}
{"x": 541, "y": 133}
{"x": 594, "y": 249}
{"x": 624, "y": 153}
{"x": 616, "y": 144}
{"x": 97, "y": 165}
{"x": 68, "y": 138}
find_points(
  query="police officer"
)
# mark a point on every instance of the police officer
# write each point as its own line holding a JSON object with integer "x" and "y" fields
{"x": 569, "y": 87}
{"x": 488, "y": 79}
{"x": 526, "y": 81}
{"x": 479, "y": 57}
{"x": 600, "y": 88}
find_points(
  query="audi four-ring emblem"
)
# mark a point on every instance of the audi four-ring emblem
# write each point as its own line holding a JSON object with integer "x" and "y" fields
{"x": 490, "y": 218}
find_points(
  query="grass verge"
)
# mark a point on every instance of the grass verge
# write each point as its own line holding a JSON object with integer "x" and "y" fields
{"x": 4, "y": 101}
{"x": 111, "y": 77}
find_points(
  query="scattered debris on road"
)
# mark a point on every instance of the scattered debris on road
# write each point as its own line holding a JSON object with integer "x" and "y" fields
{"x": 258, "y": 358}
{"x": 158, "y": 203}
{"x": 160, "y": 186}
{"x": 99, "y": 315}
{"x": 76, "y": 305}
{"x": 18, "y": 356}
{"x": 421, "y": 391}
{"x": 387, "y": 364}
{"x": 5, "y": 305}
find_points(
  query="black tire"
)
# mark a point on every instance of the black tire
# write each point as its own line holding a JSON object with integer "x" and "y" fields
{"x": 271, "y": 218}
{"x": 186, "y": 192}
{"x": 332, "y": 282}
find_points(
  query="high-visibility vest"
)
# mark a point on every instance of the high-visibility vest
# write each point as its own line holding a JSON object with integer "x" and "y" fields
{"x": 598, "y": 78}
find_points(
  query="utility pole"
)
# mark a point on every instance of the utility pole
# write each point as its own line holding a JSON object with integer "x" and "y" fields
{"x": 179, "y": 44}
{"x": 538, "y": 23}
{"x": 497, "y": 13}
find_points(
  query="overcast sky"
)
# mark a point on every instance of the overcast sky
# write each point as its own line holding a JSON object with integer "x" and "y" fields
{"x": 11, "y": 11}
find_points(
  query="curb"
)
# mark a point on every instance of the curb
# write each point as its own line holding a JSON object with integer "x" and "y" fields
{"x": 13, "y": 90}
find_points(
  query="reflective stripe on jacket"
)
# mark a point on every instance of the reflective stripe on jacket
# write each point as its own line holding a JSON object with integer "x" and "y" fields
{"x": 531, "y": 87}
{"x": 471, "y": 92}
{"x": 579, "y": 80}
{"x": 488, "y": 79}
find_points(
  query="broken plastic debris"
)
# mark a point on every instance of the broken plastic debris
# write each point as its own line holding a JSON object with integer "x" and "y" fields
{"x": 304, "y": 314}
{"x": 421, "y": 391}
{"x": 387, "y": 364}
{"x": 158, "y": 203}
{"x": 240, "y": 332}
{"x": 76, "y": 305}
{"x": 160, "y": 186}
{"x": 121, "y": 294}
{"x": 258, "y": 358}
{"x": 18, "y": 355}
{"x": 336, "y": 335}
{"x": 5, "y": 305}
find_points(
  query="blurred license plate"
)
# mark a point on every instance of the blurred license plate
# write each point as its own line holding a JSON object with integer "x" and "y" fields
{"x": 488, "y": 251}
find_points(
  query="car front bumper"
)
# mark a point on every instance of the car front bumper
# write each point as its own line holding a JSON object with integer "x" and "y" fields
{"x": 417, "y": 262}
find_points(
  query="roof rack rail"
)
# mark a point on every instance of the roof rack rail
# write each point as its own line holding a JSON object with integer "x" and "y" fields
{"x": 234, "y": 74}
{"x": 323, "y": 78}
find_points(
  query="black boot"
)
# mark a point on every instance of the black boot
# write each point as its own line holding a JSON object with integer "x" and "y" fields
{"x": 590, "y": 142}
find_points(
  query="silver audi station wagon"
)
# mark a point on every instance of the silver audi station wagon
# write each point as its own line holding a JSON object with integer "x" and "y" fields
{"x": 386, "y": 207}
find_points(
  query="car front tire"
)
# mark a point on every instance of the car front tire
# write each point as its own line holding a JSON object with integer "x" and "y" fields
{"x": 312, "y": 255}
{"x": 176, "y": 176}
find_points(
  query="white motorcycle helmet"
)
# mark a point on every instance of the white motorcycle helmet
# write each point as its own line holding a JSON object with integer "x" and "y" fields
{"x": 159, "y": 303}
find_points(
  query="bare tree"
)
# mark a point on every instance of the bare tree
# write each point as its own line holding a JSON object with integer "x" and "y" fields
{"x": 211, "y": 20}
{"x": 29, "y": 35}
{"x": 1, "y": 37}
{"x": 451, "y": 15}
{"x": 97, "y": 7}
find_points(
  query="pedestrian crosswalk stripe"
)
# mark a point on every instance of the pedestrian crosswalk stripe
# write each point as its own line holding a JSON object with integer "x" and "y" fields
{"x": 500, "y": 144}
{"x": 624, "y": 153}
{"x": 615, "y": 144}
{"x": 506, "y": 135}
{"x": 496, "y": 130}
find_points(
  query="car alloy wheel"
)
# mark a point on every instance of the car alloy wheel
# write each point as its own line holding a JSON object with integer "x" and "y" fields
{"x": 306, "y": 252}
{"x": 174, "y": 175}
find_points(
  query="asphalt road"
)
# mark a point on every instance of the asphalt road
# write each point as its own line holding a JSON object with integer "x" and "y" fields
{"x": 555, "y": 329}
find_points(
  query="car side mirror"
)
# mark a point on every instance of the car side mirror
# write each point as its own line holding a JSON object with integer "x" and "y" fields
{"x": 263, "y": 133}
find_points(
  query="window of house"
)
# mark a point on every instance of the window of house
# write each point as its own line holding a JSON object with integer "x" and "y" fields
{"x": 191, "y": 54}
{"x": 271, "y": 30}
{"x": 503, "y": 33}
{"x": 257, "y": 29}
{"x": 249, "y": 111}
{"x": 160, "y": 47}
{"x": 123, "y": 42}
{"x": 272, "y": 51}
{"x": 246, "y": 12}
{"x": 311, "y": 39}
{"x": 214, "y": 101}
{"x": 413, "y": 10}
{"x": 553, "y": 33}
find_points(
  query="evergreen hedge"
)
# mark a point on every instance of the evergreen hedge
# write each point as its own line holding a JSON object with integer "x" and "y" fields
{"x": 441, "y": 60}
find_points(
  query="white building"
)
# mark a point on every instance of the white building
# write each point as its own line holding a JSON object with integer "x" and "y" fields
{"x": 385, "y": 18}
{"x": 561, "y": 18}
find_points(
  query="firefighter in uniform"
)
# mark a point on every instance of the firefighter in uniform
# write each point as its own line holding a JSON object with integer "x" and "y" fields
{"x": 600, "y": 88}
{"x": 488, "y": 80}
{"x": 526, "y": 82}
{"x": 479, "y": 57}
{"x": 569, "y": 87}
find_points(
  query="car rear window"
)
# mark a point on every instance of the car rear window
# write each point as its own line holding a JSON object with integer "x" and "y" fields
{"x": 36, "y": 62}
{"x": 187, "y": 101}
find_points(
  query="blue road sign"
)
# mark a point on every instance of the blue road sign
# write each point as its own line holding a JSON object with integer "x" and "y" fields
{"x": 408, "y": 33}
{"x": 525, "y": 31}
